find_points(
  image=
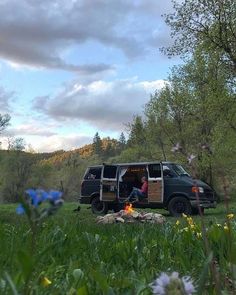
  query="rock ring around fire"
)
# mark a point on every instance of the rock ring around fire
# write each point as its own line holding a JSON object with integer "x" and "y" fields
{"x": 124, "y": 216}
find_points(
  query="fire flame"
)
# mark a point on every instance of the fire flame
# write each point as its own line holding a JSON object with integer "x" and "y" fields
{"x": 129, "y": 208}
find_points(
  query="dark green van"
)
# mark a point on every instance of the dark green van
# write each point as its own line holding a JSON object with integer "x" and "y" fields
{"x": 106, "y": 187}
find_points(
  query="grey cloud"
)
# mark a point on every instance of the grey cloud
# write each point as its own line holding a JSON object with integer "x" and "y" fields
{"x": 37, "y": 32}
{"x": 107, "y": 105}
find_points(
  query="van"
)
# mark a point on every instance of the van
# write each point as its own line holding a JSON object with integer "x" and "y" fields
{"x": 170, "y": 186}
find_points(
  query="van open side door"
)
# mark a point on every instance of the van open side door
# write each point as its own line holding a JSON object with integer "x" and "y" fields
{"x": 108, "y": 190}
{"x": 155, "y": 183}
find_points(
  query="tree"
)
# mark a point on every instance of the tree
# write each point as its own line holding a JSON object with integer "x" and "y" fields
{"x": 121, "y": 142}
{"x": 137, "y": 132}
{"x": 208, "y": 23}
{"x": 4, "y": 121}
{"x": 97, "y": 144}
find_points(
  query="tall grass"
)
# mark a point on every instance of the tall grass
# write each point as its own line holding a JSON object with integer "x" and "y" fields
{"x": 79, "y": 256}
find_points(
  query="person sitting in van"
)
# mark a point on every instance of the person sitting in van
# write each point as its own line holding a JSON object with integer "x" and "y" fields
{"x": 139, "y": 193}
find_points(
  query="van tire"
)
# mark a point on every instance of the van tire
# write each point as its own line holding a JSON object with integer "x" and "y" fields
{"x": 99, "y": 207}
{"x": 179, "y": 205}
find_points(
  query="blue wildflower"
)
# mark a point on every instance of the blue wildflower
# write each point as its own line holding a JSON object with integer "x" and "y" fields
{"x": 55, "y": 197}
{"x": 20, "y": 209}
{"x": 35, "y": 198}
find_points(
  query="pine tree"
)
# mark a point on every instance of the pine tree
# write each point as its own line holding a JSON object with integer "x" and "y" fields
{"x": 122, "y": 141}
{"x": 97, "y": 144}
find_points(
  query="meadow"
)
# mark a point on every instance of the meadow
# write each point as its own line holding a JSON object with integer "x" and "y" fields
{"x": 75, "y": 255}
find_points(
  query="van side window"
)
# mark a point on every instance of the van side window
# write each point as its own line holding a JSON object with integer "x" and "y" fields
{"x": 109, "y": 171}
{"x": 154, "y": 170}
{"x": 93, "y": 173}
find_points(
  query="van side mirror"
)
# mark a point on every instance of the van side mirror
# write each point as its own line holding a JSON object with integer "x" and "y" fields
{"x": 167, "y": 172}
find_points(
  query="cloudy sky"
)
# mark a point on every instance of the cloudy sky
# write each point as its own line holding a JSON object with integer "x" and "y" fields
{"x": 69, "y": 68}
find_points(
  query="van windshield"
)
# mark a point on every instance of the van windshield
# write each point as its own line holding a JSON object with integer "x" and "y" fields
{"x": 178, "y": 169}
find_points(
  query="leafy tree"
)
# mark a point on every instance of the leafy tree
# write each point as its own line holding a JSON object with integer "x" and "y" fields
{"x": 208, "y": 23}
{"x": 4, "y": 121}
{"x": 16, "y": 171}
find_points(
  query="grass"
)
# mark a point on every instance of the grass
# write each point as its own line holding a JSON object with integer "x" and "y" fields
{"x": 79, "y": 256}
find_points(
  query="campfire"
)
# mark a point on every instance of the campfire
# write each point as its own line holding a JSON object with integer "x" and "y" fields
{"x": 130, "y": 215}
{"x": 129, "y": 208}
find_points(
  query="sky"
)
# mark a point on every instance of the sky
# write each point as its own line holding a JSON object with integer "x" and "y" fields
{"x": 71, "y": 68}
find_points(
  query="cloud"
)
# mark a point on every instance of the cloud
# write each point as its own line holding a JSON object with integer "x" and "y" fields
{"x": 29, "y": 129}
{"x": 37, "y": 33}
{"x": 106, "y": 105}
{"x": 53, "y": 142}
{"x": 5, "y": 98}
{"x": 60, "y": 142}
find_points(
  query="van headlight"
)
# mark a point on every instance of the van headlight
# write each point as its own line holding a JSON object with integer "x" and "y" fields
{"x": 201, "y": 190}
{"x": 197, "y": 189}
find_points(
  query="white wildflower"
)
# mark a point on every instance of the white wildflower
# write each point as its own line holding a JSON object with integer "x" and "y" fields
{"x": 191, "y": 158}
{"x": 176, "y": 148}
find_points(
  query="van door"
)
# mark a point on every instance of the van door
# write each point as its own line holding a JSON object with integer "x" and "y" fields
{"x": 155, "y": 183}
{"x": 108, "y": 190}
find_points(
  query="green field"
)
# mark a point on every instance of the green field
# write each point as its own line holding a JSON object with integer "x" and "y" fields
{"x": 109, "y": 259}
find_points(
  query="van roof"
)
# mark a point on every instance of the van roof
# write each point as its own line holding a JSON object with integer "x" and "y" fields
{"x": 129, "y": 164}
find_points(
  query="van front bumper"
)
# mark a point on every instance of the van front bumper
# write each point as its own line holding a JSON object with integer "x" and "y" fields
{"x": 203, "y": 204}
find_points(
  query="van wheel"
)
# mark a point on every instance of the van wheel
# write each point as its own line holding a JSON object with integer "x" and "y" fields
{"x": 195, "y": 211}
{"x": 99, "y": 207}
{"x": 179, "y": 205}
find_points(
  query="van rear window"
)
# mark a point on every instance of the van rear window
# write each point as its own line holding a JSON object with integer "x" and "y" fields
{"x": 109, "y": 172}
{"x": 93, "y": 173}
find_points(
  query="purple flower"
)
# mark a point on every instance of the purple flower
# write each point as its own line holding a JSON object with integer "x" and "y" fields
{"x": 188, "y": 285}
{"x": 167, "y": 284}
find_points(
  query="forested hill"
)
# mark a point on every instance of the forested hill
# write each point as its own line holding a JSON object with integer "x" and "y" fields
{"x": 61, "y": 170}
{"x": 107, "y": 147}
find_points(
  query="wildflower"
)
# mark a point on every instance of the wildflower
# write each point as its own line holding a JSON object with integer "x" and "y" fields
{"x": 206, "y": 147}
{"x": 184, "y": 215}
{"x": 36, "y": 197}
{"x": 199, "y": 235}
{"x": 45, "y": 282}
{"x": 172, "y": 284}
{"x": 218, "y": 224}
{"x": 177, "y": 222}
{"x": 176, "y": 148}
{"x": 230, "y": 216}
{"x": 54, "y": 195}
{"x": 20, "y": 209}
{"x": 192, "y": 226}
{"x": 190, "y": 220}
{"x": 191, "y": 158}
{"x": 226, "y": 228}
